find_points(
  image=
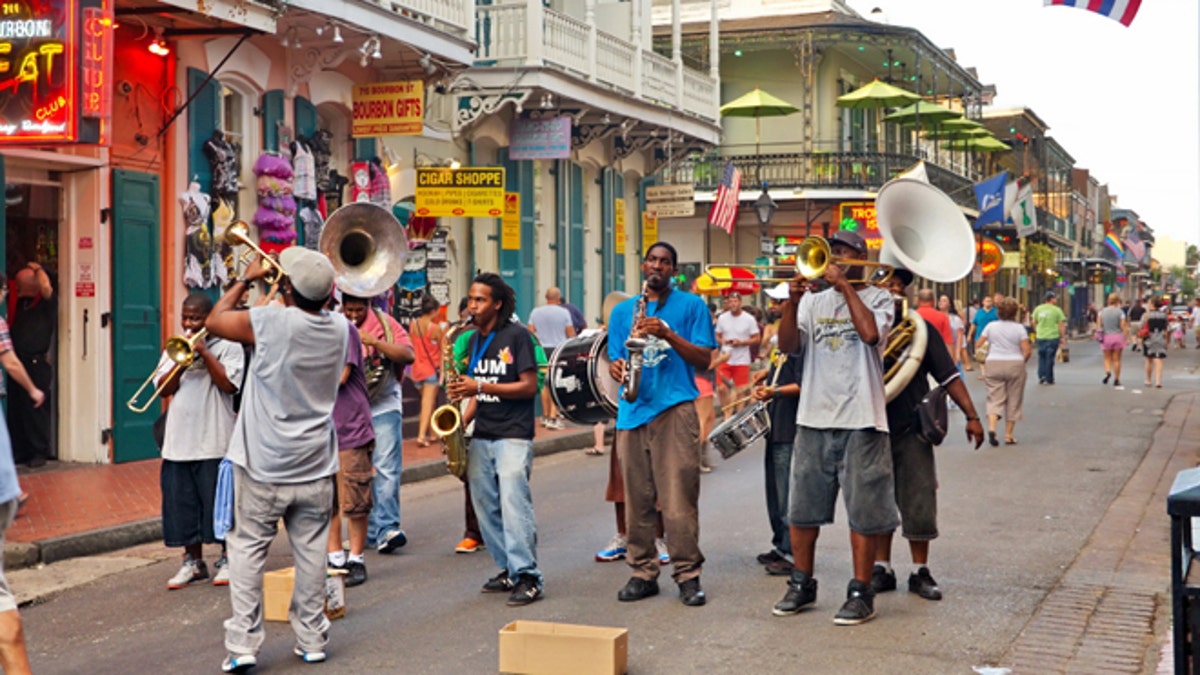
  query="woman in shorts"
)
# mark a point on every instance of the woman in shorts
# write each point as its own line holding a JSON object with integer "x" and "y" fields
{"x": 1114, "y": 331}
{"x": 1154, "y": 344}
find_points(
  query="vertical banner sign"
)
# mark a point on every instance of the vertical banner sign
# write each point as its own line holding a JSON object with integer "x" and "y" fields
{"x": 40, "y": 72}
{"x": 96, "y": 63}
{"x": 388, "y": 109}
{"x": 649, "y": 230}
{"x": 510, "y": 223}
{"x": 619, "y": 226}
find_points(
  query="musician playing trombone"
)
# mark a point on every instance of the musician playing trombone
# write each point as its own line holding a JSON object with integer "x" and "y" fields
{"x": 842, "y": 429}
{"x": 657, "y": 433}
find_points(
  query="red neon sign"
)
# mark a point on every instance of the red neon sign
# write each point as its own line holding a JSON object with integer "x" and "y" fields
{"x": 990, "y": 256}
{"x": 39, "y": 71}
{"x": 860, "y": 217}
{"x": 95, "y": 100}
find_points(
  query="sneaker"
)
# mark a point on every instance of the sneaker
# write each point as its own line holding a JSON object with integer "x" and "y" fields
{"x": 859, "y": 606}
{"x": 779, "y": 568}
{"x": 468, "y": 545}
{"x": 222, "y": 567}
{"x": 238, "y": 663}
{"x": 769, "y": 557}
{"x": 393, "y": 540}
{"x": 615, "y": 550}
{"x": 498, "y": 584}
{"x": 921, "y": 582}
{"x": 637, "y": 589}
{"x": 192, "y": 570}
{"x": 691, "y": 594}
{"x": 526, "y": 591}
{"x": 801, "y": 592}
{"x": 882, "y": 580}
{"x": 356, "y": 574}
{"x": 310, "y": 657}
{"x": 664, "y": 557}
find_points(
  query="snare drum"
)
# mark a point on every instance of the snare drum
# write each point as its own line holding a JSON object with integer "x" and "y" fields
{"x": 579, "y": 382}
{"x": 734, "y": 434}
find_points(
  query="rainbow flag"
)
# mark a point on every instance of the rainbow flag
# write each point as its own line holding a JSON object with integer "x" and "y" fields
{"x": 1117, "y": 10}
{"x": 1114, "y": 244}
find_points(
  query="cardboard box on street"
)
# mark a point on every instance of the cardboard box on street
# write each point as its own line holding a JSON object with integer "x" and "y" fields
{"x": 540, "y": 647}
{"x": 277, "y": 594}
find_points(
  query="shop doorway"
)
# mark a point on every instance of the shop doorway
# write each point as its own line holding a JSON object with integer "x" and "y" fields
{"x": 33, "y": 207}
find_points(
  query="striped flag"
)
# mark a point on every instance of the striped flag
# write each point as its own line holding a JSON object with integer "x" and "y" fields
{"x": 725, "y": 208}
{"x": 1117, "y": 10}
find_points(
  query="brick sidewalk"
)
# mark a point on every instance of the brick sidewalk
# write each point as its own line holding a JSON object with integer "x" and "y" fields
{"x": 68, "y": 499}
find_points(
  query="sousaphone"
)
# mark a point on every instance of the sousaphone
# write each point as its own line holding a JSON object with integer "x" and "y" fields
{"x": 367, "y": 247}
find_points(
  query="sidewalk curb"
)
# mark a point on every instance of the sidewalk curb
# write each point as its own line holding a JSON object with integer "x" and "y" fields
{"x": 18, "y": 555}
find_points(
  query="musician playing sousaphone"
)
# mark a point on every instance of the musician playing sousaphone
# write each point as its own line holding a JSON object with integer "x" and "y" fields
{"x": 657, "y": 431}
{"x": 842, "y": 430}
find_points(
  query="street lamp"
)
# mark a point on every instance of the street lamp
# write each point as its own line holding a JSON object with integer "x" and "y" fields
{"x": 764, "y": 208}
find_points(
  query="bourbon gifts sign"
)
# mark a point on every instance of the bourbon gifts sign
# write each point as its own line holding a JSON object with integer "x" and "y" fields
{"x": 43, "y": 77}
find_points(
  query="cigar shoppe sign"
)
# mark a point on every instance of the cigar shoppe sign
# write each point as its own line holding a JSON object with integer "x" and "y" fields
{"x": 55, "y": 60}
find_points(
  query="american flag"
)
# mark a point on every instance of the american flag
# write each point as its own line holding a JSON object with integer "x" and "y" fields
{"x": 725, "y": 208}
{"x": 1118, "y": 10}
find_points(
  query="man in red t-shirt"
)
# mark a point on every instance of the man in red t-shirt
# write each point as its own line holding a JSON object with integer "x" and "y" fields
{"x": 931, "y": 314}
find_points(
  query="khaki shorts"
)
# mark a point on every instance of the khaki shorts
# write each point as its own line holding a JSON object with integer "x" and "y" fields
{"x": 352, "y": 490}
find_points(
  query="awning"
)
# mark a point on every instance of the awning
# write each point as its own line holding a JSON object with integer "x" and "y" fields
{"x": 243, "y": 13}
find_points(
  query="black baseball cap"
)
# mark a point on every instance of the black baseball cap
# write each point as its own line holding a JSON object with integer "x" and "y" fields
{"x": 849, "y": 238}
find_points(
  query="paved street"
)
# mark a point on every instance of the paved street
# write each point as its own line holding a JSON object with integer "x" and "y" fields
{"x": 1013, "y": 518}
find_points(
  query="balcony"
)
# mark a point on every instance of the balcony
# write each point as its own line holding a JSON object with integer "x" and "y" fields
{"x": 443, "y": 28}
{"x": 827, "y": 170}
{"x": 519, "y": 35}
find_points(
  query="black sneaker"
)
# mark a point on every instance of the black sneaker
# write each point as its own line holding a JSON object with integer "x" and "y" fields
{"x": 637, "y": 589}
{"x": 883, "y": 580}
{"x": 859, "y": 606}
{"x": 779, "y": 568}
{"x": 801, "y": 592}
{"x": 526, "y": 591}
{"x": 691, "y": 594}
{"x": 921, "y": 582}
{"x": 356, "y": 573}
{"x": 498, "y": 584}
{"x": 769, "y": 557}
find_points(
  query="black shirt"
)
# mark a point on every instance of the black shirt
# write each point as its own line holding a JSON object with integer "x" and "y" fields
{"x": 1136, "y": 312}
{"x": 32, "y": 326}
{"x": 937, "y": 361}
{"x": 783, "y": 408}
{"x": 509, "y": 354}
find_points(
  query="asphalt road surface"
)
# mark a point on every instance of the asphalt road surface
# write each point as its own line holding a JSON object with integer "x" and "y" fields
{"x": 1012, "y": 519}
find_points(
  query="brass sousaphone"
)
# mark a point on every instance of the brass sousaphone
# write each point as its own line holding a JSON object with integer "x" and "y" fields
{"x": 367, "y": 247}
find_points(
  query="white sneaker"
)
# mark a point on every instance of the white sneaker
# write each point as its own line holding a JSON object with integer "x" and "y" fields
{"x": 664, "y": 558}
{"x": 615, "y": 550}
{"x": 222, "y": 567}
{"x": 192, "y": 570}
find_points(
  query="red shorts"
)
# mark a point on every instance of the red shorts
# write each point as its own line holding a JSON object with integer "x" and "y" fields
{"x": 739, "y": 374}
{"x": 704, "y": 385}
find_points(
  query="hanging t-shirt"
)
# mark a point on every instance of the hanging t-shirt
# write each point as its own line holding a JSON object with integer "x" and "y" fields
{"x": 202, "y": 415}
{"x": 667, "y": 380}
{"x": 501, "y": 357}
{"x": 842, "y": 384}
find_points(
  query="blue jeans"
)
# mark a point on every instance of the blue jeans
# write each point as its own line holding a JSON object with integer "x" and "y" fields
{"x": 777, "y": 467}
{"x": 498, "y": 473}
{"x": 385, "y": 488}
{"x": 1047, "y": 349}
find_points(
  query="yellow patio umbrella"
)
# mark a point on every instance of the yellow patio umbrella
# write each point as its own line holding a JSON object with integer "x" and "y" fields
{"x": 758, "y": 104}
{"x": 877, "y": 95}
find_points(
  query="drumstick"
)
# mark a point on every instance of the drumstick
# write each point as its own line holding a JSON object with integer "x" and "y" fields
{"x": 738, "y": 402}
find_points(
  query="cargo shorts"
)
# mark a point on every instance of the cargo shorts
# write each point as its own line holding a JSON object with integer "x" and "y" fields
{"x": 856, "y": 461}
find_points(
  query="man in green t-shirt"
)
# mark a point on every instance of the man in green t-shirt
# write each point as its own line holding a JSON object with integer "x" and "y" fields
{"x": 1051, "y": 331}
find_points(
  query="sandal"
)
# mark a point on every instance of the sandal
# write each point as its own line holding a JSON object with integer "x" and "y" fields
{"x": 423, "y": 443}
{"x": 1010, "y": 441}
{"x": 596, "y": 452}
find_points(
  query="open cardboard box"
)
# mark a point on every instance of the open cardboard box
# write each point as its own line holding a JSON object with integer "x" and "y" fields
{"x": 277, "y": 593}
{"x": 540, "y": 647}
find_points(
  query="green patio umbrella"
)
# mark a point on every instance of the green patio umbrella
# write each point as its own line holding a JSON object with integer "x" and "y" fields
{"x": 757, "y": 104}
{"x": 927, "y": 114}
{"x": 980, "y": 144}
{"x": 961, "y": 123}
{"x": 877, "y": 95}
{"x": 956, "y": 134}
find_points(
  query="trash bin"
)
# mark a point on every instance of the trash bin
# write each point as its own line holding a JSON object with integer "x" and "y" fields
{"x": 1183, "y": 504}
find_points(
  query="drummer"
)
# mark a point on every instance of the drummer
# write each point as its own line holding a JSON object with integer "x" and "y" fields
{"x": 779, "y": 387}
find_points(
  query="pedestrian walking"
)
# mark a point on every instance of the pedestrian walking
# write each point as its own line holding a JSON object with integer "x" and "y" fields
{"x": 1154, "y": 341}
{"x": 1113, "y": 330}
{"x": 1050, "y": 325}
{"x": 1008, "y": 352}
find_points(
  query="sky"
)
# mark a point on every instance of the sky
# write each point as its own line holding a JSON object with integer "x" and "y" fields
{"x": 1124, "y": 102}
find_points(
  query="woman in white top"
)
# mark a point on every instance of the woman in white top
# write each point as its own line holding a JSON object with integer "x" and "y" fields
{"x": 1008, "y": 351}
{"x": 957, "y": 330}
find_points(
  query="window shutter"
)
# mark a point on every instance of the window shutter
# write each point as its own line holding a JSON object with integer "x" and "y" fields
{"x": 272, "y": 117}
{"x": 202, "y": 121}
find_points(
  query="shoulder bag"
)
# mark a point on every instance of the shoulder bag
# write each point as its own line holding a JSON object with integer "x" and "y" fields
{"x": 932, "y": 416}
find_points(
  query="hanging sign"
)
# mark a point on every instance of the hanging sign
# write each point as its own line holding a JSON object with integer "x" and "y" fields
{"x": 649, "y": 230}
{"x": 510, "y": 224}
{"x": 619, "y": 226}
{"x": 475, "y": 192}
{"x": 388, "y": 109}
{"x": 548, "y": 138}
{"x": 96, "y": 63}
{"x": 40, "y": 72}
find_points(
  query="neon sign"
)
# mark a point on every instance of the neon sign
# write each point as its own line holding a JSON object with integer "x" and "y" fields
{"x": 990, "y": 256}
{"x": 40, "y": 72}
{"x": 95, "y": 100}
{"x": 860, "y": 217}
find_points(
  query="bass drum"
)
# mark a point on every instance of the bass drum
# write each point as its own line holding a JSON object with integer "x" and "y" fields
{"x": 579, "y": 382}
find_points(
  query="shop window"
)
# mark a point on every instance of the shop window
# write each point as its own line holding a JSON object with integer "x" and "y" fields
{"x": 236, "y": 125}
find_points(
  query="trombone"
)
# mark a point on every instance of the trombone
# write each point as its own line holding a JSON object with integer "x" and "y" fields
{"x": 179, "y": 349}
{"x": 813, "y": 257}
{"x": 238, "y": 234}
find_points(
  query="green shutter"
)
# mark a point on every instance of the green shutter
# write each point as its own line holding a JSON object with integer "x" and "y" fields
{"x": 561, "y": 175}
{"x": 272, "y": 117}
{"x": 577, "y": 242}
{"x": 517, "y": 267}
{"x": 305, "y": 114}
{"x": 202, "y": 122}
{"x": 364, "y": 148}
{"x": 608, "y": 229}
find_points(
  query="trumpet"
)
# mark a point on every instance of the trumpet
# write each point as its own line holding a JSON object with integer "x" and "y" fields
{"x": 238, "y": 234}
{"x": 179, "y": 349}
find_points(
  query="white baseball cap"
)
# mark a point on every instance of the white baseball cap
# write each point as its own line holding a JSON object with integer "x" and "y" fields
{"x": 779, "y": 292}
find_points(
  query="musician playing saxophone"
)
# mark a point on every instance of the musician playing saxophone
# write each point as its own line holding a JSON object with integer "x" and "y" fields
{"x": 657, "y": 436}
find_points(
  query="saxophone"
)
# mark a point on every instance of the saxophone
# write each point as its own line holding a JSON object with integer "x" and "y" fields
{"x": 636, "y": 344}
{"x": 446, "y": 421}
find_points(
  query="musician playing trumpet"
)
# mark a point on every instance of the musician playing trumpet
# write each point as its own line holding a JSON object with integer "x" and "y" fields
{"x": 657, "y": 436}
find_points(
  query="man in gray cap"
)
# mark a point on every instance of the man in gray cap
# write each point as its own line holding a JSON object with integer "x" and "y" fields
{"x": 1051, "y": 326}
{"x": 283, "y": 448}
